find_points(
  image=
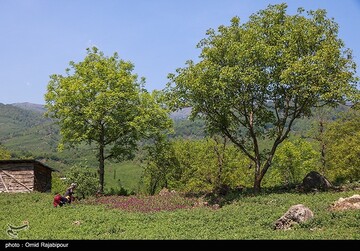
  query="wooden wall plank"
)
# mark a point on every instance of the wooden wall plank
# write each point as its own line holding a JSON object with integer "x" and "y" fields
{"x": 3, "y": 184}
{"x": 14, "y": 178}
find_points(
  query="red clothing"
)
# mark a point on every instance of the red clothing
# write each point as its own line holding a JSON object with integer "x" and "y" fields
{"x": 57, "y": 200}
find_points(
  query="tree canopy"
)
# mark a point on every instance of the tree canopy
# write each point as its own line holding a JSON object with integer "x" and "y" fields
{"x": 254, "y": 79}
{"x": 101, "y": 101}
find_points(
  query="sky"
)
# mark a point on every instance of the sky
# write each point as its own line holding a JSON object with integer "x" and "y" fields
{"x": 39, "y": 38}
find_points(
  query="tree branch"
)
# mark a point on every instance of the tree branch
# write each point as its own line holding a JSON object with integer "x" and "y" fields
{"x": 236, "y": 142}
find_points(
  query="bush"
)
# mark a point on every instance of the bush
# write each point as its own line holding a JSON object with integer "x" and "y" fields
{"x": 58, "y": 185}
{"x": 121, "y": 191}
{"x": 195, "y": 166}
{"x": 85, "y": 178}
{"x": 343, "y": 148}
{"x": 292, "y": 161}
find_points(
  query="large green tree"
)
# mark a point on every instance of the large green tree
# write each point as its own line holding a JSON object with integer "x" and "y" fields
{"x": 253, "y": 80}
{"x": 100, "y": 101}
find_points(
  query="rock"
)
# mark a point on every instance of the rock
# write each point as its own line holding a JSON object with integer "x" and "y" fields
{"x": 342, "y": 204}
{"x": 314, "y": 181}
{"x": 296, "y": 214}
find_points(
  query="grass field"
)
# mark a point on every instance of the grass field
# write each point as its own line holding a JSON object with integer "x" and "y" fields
{"x": 246, "y": 218}
{"x": 125, "y": 174}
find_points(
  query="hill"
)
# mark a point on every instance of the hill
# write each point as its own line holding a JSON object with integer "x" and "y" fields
{"x": 181, "y": 114}
{"x": 24, "y": 129}
{"x": 30, "y": 107}
{"x": 25, "y": 132}
{"x": 16, "y": 121}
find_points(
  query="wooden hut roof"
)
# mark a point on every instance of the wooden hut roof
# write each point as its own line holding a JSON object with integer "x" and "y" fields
{"x": 26, "y": 161}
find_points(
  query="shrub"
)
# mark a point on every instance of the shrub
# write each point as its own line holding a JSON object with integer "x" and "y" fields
{"x": 86, "y": 179}
{"x": 195, "y": 166}
{"x": 58, "y": 185}
{"x": 292, "y": 161}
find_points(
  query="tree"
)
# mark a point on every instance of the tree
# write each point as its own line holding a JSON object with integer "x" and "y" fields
{"x": 253, "y": 80}
{"x": 101, "y": 101}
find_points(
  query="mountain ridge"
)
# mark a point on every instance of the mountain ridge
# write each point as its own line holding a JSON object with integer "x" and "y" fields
{"x": 30, "y": 106}
{"x": 178, "y": 115}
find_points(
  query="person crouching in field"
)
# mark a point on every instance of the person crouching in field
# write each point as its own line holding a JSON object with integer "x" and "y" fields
{"x": 67, "y": 198}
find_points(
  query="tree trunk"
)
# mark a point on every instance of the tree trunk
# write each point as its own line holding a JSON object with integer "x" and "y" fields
{"x": 323, "y": 147}
{"x": 257, "y": 187}
{"x": 323, "y": 159}
{"x": 153, "y": 186}
{"x": 101, "y": 168}
{"x": 220, "y": 160}
{"x": 257, "y": 178}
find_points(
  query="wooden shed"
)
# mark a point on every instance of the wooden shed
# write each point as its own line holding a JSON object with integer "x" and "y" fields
{"x": 24, "y": 176}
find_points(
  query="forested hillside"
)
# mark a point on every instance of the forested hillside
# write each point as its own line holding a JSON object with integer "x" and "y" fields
{"x": 15, "y": 120}
{"x": 26, "y": 133}
{"x": 24, "y": 129}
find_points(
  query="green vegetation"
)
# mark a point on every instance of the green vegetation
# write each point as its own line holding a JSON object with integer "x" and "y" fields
{"x": 261, "y": 117}
{"x": 120, "y": 178}
{"x": 129, "y": 175}
{"x": 86, "y": 180}
{"x": 14, "y": 121}
{"x": 125, "y": 175}
{"x": 293, "y": 160}
{"x": 211, "y": 164}
{"x": 4, "y": 154}
{"x": 187, "y": 128}
{"x": 255, "y": 79}
{"x": 246, "y": 218}
{"x": 100, "y": 102}
{"x": 195, "y": 166}
{"x": 342, "y": 139}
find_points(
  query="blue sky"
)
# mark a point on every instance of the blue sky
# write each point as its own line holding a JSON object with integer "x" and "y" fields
{"x": 40, "y": 37}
